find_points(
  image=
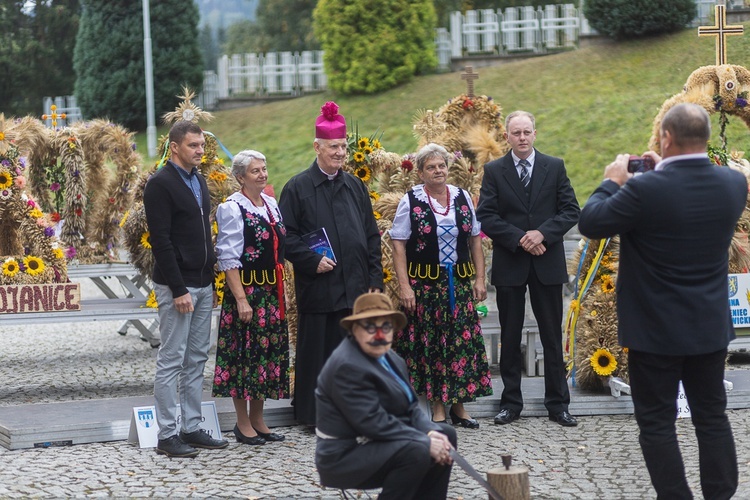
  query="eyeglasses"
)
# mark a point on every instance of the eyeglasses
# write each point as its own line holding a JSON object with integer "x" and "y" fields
{"x": 372, "y": 328}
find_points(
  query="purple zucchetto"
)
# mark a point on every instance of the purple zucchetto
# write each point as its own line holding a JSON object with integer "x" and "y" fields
{"x": 330, "y": 124}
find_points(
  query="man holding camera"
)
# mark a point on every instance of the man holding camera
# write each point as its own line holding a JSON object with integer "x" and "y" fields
{"x": 675, "y": 226}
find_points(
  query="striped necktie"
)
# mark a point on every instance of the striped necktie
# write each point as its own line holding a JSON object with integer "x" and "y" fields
{"x": 525, "y": 176}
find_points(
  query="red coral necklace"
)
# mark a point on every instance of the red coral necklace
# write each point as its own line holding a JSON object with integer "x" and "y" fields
{"x": 447, "y": 201}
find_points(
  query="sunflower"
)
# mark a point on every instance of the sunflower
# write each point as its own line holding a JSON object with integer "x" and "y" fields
{"x": 358, "y": 157}
{"x": 36, "y": 213}
{"x": 33, "y": 265}
{"x": 367, "y": 150}
{"x": 376, "y": 144}
{"x": 146, "y": 239}
{"x": 363, "y": 173}
{"x": 603, "y": 362}
{"x": 58, "y": 253}
{"x": 217, "y": 176}
{"x": 387, "y": 275}
{"x": 363, "y": 142}
{"x": 374, "y": 195}
{"x": 608, "y": 284}
{"x": 6, "y": 179}
{"x": 151, "y": 300}
{"x": 10, "y": 267}
{"x": 377, "y": 215}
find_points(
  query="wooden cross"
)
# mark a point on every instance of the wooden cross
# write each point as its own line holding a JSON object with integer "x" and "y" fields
{"x": 469, "y": 76}
{"x": 720, "y": 30}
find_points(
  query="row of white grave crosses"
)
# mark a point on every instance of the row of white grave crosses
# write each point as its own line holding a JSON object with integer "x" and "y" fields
{"x": 514, "y": 29}
{"x": 271, "y": 73}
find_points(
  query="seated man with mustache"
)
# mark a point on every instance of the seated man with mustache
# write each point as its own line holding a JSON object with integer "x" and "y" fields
{"x": 371, "y": 432}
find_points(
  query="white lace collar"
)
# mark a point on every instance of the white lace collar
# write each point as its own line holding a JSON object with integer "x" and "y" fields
{"x": 421, "y": 194}
{"x": 249, "y": 206}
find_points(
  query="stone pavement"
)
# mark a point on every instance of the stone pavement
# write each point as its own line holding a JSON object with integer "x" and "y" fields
{"x": 46, "y": 363}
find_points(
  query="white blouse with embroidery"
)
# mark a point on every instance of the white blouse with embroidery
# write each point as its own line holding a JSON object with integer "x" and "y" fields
{"x": 401, "y": 229}
{"x": 230, "y": 242}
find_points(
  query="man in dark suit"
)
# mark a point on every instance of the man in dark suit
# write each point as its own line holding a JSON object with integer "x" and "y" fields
{"x": 675, "y": 226}
{"x": 526, "y": 205}
{"x": 371, "y": 432}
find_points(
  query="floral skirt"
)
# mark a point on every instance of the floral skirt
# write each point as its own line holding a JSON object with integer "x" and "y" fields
{"x": 252, "y": 359}
{"x": 444, "y": 350}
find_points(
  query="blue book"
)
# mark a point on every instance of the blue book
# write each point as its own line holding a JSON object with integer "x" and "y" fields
{"x": 318, "y": 242}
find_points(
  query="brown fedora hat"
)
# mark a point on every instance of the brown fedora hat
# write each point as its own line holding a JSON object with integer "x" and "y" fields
{"x": 373, "y": 305}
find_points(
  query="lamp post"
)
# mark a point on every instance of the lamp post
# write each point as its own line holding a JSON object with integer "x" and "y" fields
{"x": 148, "y": 61}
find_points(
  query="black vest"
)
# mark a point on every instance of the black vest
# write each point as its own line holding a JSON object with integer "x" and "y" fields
{"x": 422, "y": 247}
{"x": 258, "y": 258}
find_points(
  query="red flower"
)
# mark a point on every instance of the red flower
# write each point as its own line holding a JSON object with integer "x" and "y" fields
{"x": 407, "y": 165}
{"x": 55, "y": 216}
{"x": 79, "y": 212}
{"x": 112, "y": 200}
{"x": 468, "y": 103}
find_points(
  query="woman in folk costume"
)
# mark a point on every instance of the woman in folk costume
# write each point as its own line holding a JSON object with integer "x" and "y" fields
{"x": 439, "y": 262}
{"x": 252, "y": 355}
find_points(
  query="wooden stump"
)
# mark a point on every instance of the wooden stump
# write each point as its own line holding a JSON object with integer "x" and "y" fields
{"x": 512, "y": 483}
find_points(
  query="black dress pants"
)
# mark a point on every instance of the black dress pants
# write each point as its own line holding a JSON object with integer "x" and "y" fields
{"x": 654, "y": 382}
{"x": 546, "y": 302}
{"x": 411, "y": 473}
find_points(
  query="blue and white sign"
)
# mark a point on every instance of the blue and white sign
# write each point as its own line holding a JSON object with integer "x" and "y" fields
{"x": 739, "y": 299}
{"x": 144, "y": 429}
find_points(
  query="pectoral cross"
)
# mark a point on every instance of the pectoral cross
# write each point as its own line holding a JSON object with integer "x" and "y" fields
{"x": 469, "y": 76}
{"x": 720, "y": 30}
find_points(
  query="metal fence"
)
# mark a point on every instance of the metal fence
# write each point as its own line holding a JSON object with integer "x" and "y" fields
{"x": 274, "y": 73}
{"x": 516, "y": 29}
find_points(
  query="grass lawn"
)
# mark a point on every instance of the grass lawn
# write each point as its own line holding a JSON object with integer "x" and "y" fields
{"x": 590, "y": 105}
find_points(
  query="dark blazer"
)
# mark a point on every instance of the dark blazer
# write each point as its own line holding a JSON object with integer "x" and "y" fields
{"x": 675, "y": 227}
{"x": 506, "y": 213}
{"x": 180, "y": 231}
{"x": 356, "y": 397}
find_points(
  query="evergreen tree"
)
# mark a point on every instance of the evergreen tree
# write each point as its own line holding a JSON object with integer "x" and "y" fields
{"x": 373, "y": 45}
{"x": 36, "y": 52}
{"x": 109, "y": 59}
{"x": 634, "y": 18}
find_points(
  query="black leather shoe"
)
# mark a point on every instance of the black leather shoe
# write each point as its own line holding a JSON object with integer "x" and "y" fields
{"x": 506, "y": 416}
{"x": 241, "y": 438}
{"x": 202, "y": 439}
{"x": 564, "y": 418}
{"x": 270, "y": 436}
{"x": 174, "y": 447}
{"x": 469, "y": 423}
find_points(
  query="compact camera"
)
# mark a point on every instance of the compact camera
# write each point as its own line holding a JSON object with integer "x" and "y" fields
{"x": 640, "y": 164}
